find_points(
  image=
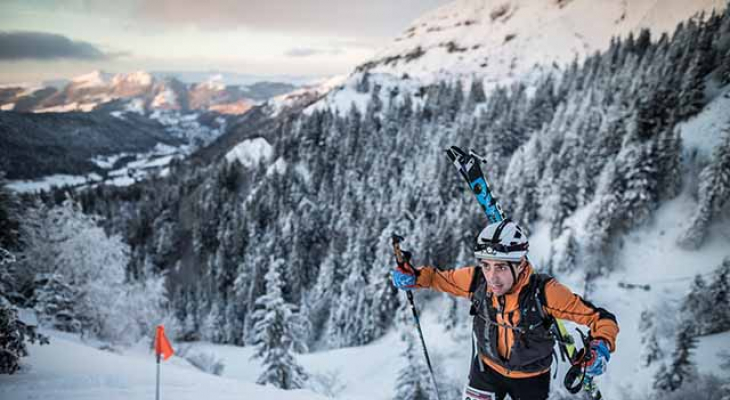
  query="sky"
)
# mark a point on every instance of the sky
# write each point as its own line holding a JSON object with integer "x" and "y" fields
{"x": 44, "y": 39}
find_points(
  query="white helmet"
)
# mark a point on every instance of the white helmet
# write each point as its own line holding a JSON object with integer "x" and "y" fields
{"x": 504, "y": 241}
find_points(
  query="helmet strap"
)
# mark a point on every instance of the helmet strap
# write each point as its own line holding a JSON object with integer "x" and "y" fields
{"x": 498, "y": 231}
{"x": 512, "y": 269}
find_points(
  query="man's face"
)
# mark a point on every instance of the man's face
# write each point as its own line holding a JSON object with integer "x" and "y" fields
{"x": 498, "y": 275}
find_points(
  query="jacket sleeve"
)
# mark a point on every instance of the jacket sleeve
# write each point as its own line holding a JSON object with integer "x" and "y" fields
{"x": 455, "y": 281}
{"x": 564, "y": 304}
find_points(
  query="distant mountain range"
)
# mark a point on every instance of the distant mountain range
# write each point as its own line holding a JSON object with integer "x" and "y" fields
{"x": 139, "y": 91}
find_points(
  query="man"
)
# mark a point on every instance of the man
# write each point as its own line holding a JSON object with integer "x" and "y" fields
{"x": 513, "y": 309}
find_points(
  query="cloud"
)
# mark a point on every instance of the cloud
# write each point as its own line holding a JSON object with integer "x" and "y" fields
{"x": 25, "y": 45}
{"x": 308, "y": 52}
{"x": 373, "y": 18}
{"x": 300, "y": 52}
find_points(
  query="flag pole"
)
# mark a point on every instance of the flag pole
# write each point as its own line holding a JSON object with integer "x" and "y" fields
{"x": 157, "y": 395}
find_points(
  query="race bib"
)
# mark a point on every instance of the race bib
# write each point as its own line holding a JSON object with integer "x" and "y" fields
{"x": 475, "y": 394}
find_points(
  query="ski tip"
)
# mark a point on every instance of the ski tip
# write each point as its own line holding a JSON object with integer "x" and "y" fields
{"x": 456, "y": 150}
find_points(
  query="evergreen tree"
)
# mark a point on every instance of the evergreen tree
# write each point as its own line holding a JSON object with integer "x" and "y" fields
{"x": 650, "y": 350}
{"x": 724, "y": 70}
{"x": 566, "y": 256}
{"x": 697, "y": 306}
{"x": 413, "y": 381}
{"x": 55, "y": 302}
{"x": 714, "y": 191}
{"x": 451, "y": 318}
{"x": 692, "y": 92}
{"x": 476, "y": 95}
{"x": 606, "y": 217}
{"x": 682, "y": 369}
{"x": 668, "y": 150}
{"x": 9, "y": 221}
{"x": 349, "y": 321}
{"x": 14, "y": 334}
{"x": 718, "y": 294}
{"x": 277, "y": 334}
{"x": 639, "y": 172}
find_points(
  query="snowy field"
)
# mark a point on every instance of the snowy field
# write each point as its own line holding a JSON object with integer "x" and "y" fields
{"x": 69, "y": 368}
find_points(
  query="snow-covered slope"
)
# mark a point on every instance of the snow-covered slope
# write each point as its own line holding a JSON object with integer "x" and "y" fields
{"x": 69, "y": 369}
{"x": 649, "y": 256}
{"x": 503, "y": 39}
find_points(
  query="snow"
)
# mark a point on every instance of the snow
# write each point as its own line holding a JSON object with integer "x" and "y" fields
{"x": 140, "y": 78}
{"x": 215, "y": 82}
{"x": 166, "y": 98}
{"x": 311, "y": 91}
{"x": 250, "y": 152}
{"x": 709, "y": 348}
{"x": 701, "y": 132}
{"x": 107, "y": 162}
{"x": 151, "y": 163}
{"x": 345, "y": 95}
{"x": 96, "y": 374}
{"x": 650, "y": 256}
{"x": 92, "y": 79}
{"x": 57, "y": 180}
{"x": 503, "y": 40}
{"x": 7, "y": 107}
{"x": 135, "y": 106}
{"x": 278, "y": 167}
{"x": 356, "y": 373}
{"x": 74, "y": 106}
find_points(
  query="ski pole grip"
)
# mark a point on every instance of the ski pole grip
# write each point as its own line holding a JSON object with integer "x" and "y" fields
{"x": 402, "y": 257}
{"x": 399, "y": 258}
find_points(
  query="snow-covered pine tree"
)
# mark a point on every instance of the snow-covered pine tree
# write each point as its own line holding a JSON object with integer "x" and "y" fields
{"x": 639, "y": 172}
{"x": 213, "y": 324}
{"x": 413, "y": 381}
{"x": 692, "y": 92}
{"x": 714, "y": 192}
{"x": 670, "y": 378}
{"x": 476, "y": 95}
{"x": 349, "y": 320}
{"x": 14, "y": 334}
{"x": 55, "y": 302}
{"x": 9, "y": 222}
{"x": 450, "y": 319}
{"x": 601, "y": 226}
{"x": 668, "y": 148}
{"x": 384, "y": 294}
{"x": 718, "y": 294}
{"x": 724, "y": 70}
{"x": 565, "y": 259}
{"x": 277, "y": 334}
{"x": 696, "y": 306}
{"x": 650, "y": 351}
{"x": 521, "y": 182}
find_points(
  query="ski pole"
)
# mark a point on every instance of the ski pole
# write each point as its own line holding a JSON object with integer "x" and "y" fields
{"x": 401, "y": 259}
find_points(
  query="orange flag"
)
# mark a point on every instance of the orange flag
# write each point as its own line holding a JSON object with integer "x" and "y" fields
{"x": 162, "y": 345}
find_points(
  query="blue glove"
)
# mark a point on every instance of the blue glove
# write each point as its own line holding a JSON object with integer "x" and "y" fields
{"x": 403, "y": 278}
{"x": 600, "y": 357}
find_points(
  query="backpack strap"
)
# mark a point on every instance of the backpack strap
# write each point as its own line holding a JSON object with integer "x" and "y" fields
{"x": 477, "y": 296}
{"x": 541, "y": 280}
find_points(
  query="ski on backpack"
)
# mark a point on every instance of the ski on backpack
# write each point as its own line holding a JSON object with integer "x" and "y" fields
{"x": 469, "y": 167}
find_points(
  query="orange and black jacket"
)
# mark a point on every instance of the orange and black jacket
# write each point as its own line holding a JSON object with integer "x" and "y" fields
{"x": 559, "y": 302}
